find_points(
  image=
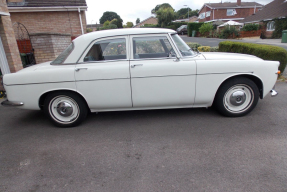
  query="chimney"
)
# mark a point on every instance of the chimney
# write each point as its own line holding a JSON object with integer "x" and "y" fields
{"x": 239, "y": 2}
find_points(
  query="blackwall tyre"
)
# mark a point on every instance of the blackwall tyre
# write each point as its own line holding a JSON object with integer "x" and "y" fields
{"x": 236, "y": 97}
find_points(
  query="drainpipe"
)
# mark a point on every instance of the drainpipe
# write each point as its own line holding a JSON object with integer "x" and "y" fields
{"x": 79, "y": 10}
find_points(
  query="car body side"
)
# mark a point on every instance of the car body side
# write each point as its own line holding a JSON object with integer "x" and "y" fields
{"x": 30, "y": 85}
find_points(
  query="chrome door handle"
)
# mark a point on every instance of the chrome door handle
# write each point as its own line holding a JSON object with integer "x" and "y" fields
{"x": 78, "y": 69}
{"x": 133, "y": 66}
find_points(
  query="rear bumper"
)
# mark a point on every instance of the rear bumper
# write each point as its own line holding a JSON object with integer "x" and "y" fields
{"x": 12, "y": 104}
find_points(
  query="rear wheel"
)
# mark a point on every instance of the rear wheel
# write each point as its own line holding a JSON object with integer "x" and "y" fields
{"x": 237, "y": 97}
{"x": 65, "y": 109}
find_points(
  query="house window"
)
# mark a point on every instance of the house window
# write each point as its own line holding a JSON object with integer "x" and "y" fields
{"x": 231, "y": 12}
{"x": 208, "y": 13}
{"x": 201, "y": 16}
{"x": 271, "y": 26}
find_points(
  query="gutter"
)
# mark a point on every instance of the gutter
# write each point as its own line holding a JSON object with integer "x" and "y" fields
{"x": 44, "y": 9}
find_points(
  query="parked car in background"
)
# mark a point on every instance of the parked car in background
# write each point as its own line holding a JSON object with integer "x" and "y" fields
{"x": 138, "y": 69}
{"x": 182, "y": 30}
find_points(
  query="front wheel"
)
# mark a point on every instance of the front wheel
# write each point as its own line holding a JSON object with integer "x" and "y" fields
{"x": 65, "y": 109}
{"x": 237, "y": 97}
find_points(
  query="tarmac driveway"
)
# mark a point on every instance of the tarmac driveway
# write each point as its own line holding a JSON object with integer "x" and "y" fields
{"x": 155, "y": 150}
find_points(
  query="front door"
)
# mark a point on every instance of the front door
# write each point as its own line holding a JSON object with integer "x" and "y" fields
{"x": 158, "y": 79}
{"x": 102, "y": 75}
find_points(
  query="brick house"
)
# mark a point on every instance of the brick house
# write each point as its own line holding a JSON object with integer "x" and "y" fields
{"x": 151, "y": 20}
{"x": 53, "y": 16}
{"x": 275, "y": 9}
{"x": 51, "y": 25}
{"x": 227, "y": 11}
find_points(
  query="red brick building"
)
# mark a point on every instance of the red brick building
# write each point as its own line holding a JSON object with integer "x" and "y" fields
{"x": 271, "y": 11}
{"x": 227, "y": 11}
{"x": 53, "y": 16}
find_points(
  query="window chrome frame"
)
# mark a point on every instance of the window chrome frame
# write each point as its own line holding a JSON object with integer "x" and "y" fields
{"x": 81, "y": 59}
{"x": 151, "y": 35}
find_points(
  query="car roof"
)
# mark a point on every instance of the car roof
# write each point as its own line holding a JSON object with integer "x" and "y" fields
{"x": 117, "y": 32}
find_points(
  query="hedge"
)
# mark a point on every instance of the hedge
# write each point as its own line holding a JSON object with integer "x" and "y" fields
{"x": 193, "y": 26}
{"x": 266, "y": 52}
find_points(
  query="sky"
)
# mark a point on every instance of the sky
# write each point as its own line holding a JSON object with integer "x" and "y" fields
{"x": 130, "y": 10}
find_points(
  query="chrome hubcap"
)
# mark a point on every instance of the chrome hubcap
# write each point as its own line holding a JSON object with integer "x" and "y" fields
{"x": 65, "y": 109}
{"x": 237, "y": 98}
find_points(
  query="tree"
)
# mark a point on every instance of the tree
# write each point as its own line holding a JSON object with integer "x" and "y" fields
{"x": 109, "y": 16}
{"x": 114, "y": 21}
{"x": 129, "y": 25}
{"x": 138, "y": 21}
{"x": 106, "y": 23}
{"x": 183, "y": 13}
{"x": 165, "y": 16}
{"x": 164, "y": 5}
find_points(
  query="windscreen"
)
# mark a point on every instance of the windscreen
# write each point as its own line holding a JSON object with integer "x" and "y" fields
{"x": 184, "y": 49}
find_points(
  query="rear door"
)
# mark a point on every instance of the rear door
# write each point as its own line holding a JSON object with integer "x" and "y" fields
{"x": 102, "y": 75}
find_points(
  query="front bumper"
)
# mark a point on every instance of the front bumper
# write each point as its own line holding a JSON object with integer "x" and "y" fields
{"x": 7, "y": 103}
{"x": 273, "y": 93}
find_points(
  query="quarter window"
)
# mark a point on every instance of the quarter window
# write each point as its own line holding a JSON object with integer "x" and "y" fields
{"x": 113, "y": 49}
{"x": 152, "y": 47}
{"x": 271, "y": 26}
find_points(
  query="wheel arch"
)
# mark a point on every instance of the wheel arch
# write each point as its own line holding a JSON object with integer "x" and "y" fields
{"x": 44, "y": 95}
{"x": 252, "y": 77}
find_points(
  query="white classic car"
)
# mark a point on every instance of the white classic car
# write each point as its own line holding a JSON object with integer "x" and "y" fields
{"x": 135, "y": 69}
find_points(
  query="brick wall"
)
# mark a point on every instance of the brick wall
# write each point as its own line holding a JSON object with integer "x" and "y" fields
{"x": 49, "y": 45}
{"x": 9, "y": 42}
{"x": 51, "y": 22}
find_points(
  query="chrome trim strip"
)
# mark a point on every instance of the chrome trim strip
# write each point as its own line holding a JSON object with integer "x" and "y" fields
{"x": 40, "y": 83}
{"x": 7, "y": 103}
{"x": 227, "y": 73}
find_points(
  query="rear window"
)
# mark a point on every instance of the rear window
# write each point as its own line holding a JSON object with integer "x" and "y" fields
{"x": 63, "y": 56}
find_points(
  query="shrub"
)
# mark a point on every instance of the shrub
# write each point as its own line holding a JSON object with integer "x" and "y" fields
{"x": 205, "y": 28}
{"x": 171, "y": 27}
{"x": 193, "y": 45}
{"x": 110, "y": 26}
{"x": 266, "y": 52}
{"x": 204, "y": 49}
{"x": 250, "y": 27}
{"x": 193, "y": 26}
{"x": 214, "y": 49}
{"x": 149, "y": 26}
{"x": 229, "y": 32}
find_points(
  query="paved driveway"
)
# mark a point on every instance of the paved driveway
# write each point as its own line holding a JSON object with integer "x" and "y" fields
{"x": 156, "y": 150}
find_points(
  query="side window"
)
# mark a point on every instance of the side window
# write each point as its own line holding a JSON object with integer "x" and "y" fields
{"x": 152, "y": 47}
{"x": 113, "y": 49}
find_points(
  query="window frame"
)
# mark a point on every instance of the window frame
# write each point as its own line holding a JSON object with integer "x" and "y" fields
{"x": 151, "y": 35}
{"x": 232, "y": 12}
{"x": 268, "y": 24}
{"x": 81, "y": 60}
{"x": 207, "y": 15}
{"x": 204, "y": 15}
